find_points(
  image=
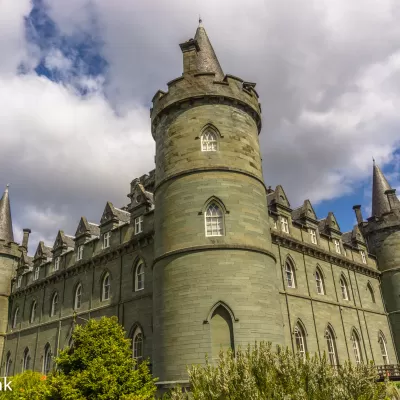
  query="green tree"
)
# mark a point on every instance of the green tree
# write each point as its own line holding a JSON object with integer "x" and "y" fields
{"x": 99, "y": 365}
{"x": 259, "y": 373}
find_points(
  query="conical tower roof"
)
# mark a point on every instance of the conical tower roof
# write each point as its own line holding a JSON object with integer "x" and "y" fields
{"x": 6, "y": 231}
{"x": 380, "y": 202}
{"x": 207, "y": 61}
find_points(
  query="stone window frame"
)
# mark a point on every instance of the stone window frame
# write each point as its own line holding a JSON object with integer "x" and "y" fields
{"x": 46, "y": 367}
{"x": 106, "y": 275}
{"x": 15, "y": 318}
{"x": 26, "y": 360}
{"x": 383, "y": 346}
{"x": 313, "y": 235}
{"x": 356, "y": 345}
{"x": 336, "y": 242}
{"x": 139, "y": 264}
{"x": 36, "y": 272}
{"x": 319, "y": 274}
{"x": 300, "y": 333}
{"x": 19, "y": 281}
{"x": 363, "y": 257}
{"x": 54, "y": 304}
{"x": 32, "y": 315}
{"x": 209, "y": 139}
{"x": 79, "y": 252}
{"x": 330, "y": 337}
{"x": 138, "y": 221}
{"x": 137, "y": 344}
{"x": 344, "y": 288}
{"x": 371, "y": 292}
{"x": 290, "y": 269}
{"x": 78, "y": 296}
{"x": 106, "y": 239}
{"x": 284, "y": 224}
{"x": 57, "y": 262}
{"x": 7, "y": 370}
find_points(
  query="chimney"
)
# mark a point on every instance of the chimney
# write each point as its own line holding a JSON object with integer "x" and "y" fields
{"x": 391, "y": 196}
{"x": 25, "y": 238}
{"x": 359, "y": 216}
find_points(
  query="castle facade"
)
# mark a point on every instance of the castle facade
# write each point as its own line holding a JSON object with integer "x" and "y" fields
{"x": 205, "y": 256}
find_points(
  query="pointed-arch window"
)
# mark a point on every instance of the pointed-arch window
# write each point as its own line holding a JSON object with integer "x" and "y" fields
{"x": 33, "y": 312}
{"x": 8, "y": 364}
{"x": 106, "y": 286}
{"x": 15, "y": 318}
{"x": 382, "y": 345}
{"x": 343, "y": 287}
{"x": 319, "y": 280}
{"x": 78, "y": 297}
{"x": 209, "y": 141}
{"x": 299, "y": 335}
{"x": 139, "y": 276}
{"x": 47, "y": 359}
{"x": 355, "y": 340}
{"x": 137, "y": 343}
{"x": 330, "y": 341}
{"x": 36, "y": 274}
{"x": 290, "y": 277}
{"x": 54, "y": 304}
{"x": 27, "y": 360}
{"x": 214, "y": 220}
{"x": 371, "y": 292}
{"x": 221, "y": 331}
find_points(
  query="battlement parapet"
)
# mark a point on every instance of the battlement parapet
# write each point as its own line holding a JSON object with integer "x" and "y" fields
{"x": 202, "y": 88}
{"x": 11, "y": 249}
{"x": 389, "y": 220}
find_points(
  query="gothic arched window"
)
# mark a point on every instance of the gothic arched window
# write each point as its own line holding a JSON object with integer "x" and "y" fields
{"x": 209, "y": 141}
{"x": 27, "y": 360}
{"x": 137, "y": 345}
{"x": 139, "y": 276}
{"x": 344, "y": 289}
{"x": 47, "y": 359}
{"x": 78, "y": 297}
{"x": 221, "y": 331}
{"x": 290, "y": 277}
{"x": 106, "y": 286}
{"x": 355, "y": 340}
{"x": 382, "y": 345}
{"x": 319, "y": 280}
{"x": 371, "y": 292}
{"x": 214, "y": 220}
{"x": 300, "y": 338}
{"x": 54, "y": 303}
{"x": 331, "y": 344}
{"x": 15, "y": 318}
{"x": 8, "y": 364}
{"x": 33, "y": 312}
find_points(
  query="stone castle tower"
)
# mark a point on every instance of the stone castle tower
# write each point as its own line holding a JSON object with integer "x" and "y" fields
{"x": 9, "y": 257}
{"x": 196, "y": 275}
{"x": 382, "y": 232}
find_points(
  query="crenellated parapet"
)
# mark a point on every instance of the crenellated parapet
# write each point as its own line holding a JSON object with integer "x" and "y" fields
{"x": 10, "y": 249}
{"x": 201, "y": 88}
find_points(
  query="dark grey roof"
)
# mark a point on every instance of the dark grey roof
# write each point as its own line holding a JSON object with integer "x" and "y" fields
{"x": 296, "y": 213}
{"x": 122, "y": 215}
{"x": 380, "y": 203}
{"x": 69, "y": 240}
{"x": 347, "y": 237}
{"x": 6, "y": 231}
{"x": 206, "y": 60}
{"x": 94, "y": 229}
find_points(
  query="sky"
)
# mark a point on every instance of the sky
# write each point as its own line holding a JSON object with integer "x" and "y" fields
{"x": 77, "y": 78}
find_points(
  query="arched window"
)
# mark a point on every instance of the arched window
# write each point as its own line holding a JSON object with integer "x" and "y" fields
{"x": 343, "y": 287}
{"x": 33, "y": 312}
{"x": 221, "y": 331}
{"x": 78, "y": 297}
{"x": 209, "y": 141}
{"x": 319, "y": 280}
{"x": 47, "y": 359}
{"x": 290, "y": 277}
{"x": 15, "y": 318}
{"x": 137, "y": 345}
{"x": 139, "y": 276}
{"x": 106, "y": 286}
{"x": 355, "y": 340}
{"x": 330, "y": 341}
{"x": 8, "y": 364}
{"x": 299, "y": 335}
{"x": 371, "y": 292}
{"x": 27, "y": 360}
{"x": 382, "y": 344}
{"x": 54, "y": 304}
{"x": 214, "y": 220}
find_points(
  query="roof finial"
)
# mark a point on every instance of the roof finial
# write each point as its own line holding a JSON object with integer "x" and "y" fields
{"x": 200, "y": 20}
{"x": 373, "y": 160}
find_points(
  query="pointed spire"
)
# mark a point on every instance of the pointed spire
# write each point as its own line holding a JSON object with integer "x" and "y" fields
{"x": 207, "y": 61}
{"x": 380, "y": 203}
{"x": 6, "y": 231}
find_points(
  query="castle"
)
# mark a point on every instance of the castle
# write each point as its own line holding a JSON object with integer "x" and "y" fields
{"x": 205, "y": 256}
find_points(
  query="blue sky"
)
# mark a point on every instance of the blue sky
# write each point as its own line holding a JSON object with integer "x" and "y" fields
{"x": 78, "y": 79}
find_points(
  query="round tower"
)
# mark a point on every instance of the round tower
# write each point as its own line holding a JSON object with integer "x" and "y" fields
{"x": 214, "y": 273}
{"x": 382, "y": 231}
{"x": 9, "y": 256}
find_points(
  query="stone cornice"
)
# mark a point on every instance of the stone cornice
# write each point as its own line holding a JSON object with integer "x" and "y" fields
{"x": 316, "y": 252}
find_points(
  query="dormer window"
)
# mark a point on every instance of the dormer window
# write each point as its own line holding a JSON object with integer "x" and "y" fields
{"x": 19, "y": 281}
{"x": 138, "y": 224}
{"x": 79, "y": 254}
{"x": 36, "y": 274}
{"x": 57, "y": 264}
{"x": 363, "y": 258}
{"x": 106, "y": 240}
{"x": 284, "y": 225}
{"x": 313, "y": 236}
{"x": 337, "y": 246}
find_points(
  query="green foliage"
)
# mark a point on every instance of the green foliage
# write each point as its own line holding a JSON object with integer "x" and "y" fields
{"x": 26, "y": 386}
{"x": 100, "y": 366}
{"x": 258, "y": 373}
